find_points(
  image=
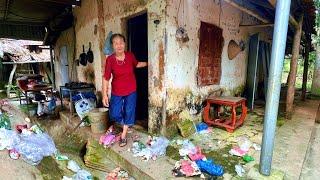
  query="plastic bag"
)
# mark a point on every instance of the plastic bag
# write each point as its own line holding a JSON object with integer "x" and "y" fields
{"x": 83, "y": 106}
{"x": 187, "y": 148}
{"x": 107, "y": 140}
{"x": 52, "y": 105}
{"x": 158, "y": 146}
{"x": 244, "y": 143}
{"x": 239, "y": 169}
{"x": 107, "y": 49}
{"x": 82, "y": 175}
{"x": 209, "y": 167}
{"x": 5, "y": 121}
{"x": 34, "y": 147}
{"x": 8, "y": 139}
{"x": 73, "y": 166}
{"x": 201, "y": 127}
{"x": 185, "y": 168}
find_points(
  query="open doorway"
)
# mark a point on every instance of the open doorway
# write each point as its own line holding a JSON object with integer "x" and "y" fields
{"x": 137, "y": 28}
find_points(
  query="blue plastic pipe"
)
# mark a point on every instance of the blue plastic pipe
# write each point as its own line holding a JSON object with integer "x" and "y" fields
{"x": 274, "y": 84}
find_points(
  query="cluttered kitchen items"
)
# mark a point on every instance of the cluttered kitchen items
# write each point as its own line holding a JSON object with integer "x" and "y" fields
{"x": 90, "y": 56}
{"x": 83, "y": 57}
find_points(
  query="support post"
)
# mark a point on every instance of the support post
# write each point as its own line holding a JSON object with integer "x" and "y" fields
{"x": 315, "y": 87}
{"x": 293, "y": 68}
{"x": 306, "y": 67}
{"x": 274, "y": 84}
{"x": 52, "y": 69}
{"x": 11, "y": 79}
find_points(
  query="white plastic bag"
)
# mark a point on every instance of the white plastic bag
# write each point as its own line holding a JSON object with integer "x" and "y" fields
{"x": 83, "y": 106}
{"x": 73, "y": 166}
{"x": 33, "y": 147}
{"x": 82, "y": 175}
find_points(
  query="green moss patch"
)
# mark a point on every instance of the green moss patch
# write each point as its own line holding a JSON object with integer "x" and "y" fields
{"x": 50, "y": 169}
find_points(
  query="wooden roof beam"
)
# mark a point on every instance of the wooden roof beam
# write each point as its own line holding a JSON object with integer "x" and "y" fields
{"x": 292, "y": 21}
{"x": 248, "y": 11}
{"x": 63, "y": 2}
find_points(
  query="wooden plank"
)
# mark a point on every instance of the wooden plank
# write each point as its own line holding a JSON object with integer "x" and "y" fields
{"x": 256, "y": 25}
{"x": 246, "y": 10}
{"x": 252, "y": 69}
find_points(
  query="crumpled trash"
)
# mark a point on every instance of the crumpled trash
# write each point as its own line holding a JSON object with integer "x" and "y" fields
{"x": 8, "y": 139}
{"x": 185, "y": 167}
{"x": 107, "y": 140}
{"x": 137, "y": 147}
{"x": 66, "y": 178}
{"x": 201, "y": 126}
{"x": 73, "y": 166}
{"x": 247, "y": 158}
{"x": 52, "y": 105}
{"x": 244, "y": 143}
{"x": 14, "y": 154}
{"x": 36, "y": 129}
{"x": 157, "y": 148}
{"x": 61, "y": 157}
{"x": 239, "y": 169}
{"x": 33, "y": 147}
{"x": 209, "y": 167}
{"x": 20, "y": 127}
{"x": 5, "y": 121}
{"x": 256, "y": 146}
{"x": 236, "y": 151}
{"x": 196, "y": 156}
{"x": 113, "y": 175}
{"x": 187, "y": 148}
{"x": 82, "y": 175}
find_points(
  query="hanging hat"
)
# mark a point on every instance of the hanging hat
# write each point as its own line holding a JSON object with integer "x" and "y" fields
{"x": 234, "y": 49}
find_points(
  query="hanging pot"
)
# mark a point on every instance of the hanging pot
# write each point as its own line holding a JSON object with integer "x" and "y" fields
{"x": 83, "y": 57}
{"x": 90, "y": 54}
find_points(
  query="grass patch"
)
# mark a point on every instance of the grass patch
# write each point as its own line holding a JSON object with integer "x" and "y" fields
{"x": 173, "y": 153}
{"x": 281, "y": 121}
{"x": 71, "y": 144}
{"x": 222, "y": 157}
{"x": 50, "y": 169}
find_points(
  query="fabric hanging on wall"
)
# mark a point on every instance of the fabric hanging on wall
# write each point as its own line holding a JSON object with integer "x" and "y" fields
{"x": 108, "y": 50}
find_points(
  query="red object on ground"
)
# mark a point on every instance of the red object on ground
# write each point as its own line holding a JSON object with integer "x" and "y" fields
{"x": 197, "y": 156}
{"x": 19, "y": 127}
{"x": 230, "y": 123}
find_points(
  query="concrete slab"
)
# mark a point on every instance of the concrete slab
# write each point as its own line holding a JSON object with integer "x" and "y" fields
{"x": 292, "y": 139}
{"x": 311, "y": 169}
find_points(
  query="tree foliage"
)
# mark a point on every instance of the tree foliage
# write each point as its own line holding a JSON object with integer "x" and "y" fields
{"x": 317, "y": 22}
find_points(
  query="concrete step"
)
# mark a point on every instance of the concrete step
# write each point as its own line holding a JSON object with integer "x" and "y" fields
{"x": 310, "y": 169}
{"x": 292, "y": 140}
{"x": 159, "y": 169}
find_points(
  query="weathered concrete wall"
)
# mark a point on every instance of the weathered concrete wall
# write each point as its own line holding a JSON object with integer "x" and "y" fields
{"x": 66, "y": 38}
{"x": 86, "y": 27}
{"x": 173, "y": 91}
{"x": 183, "y": 96}
{"x": 116, "y": 15}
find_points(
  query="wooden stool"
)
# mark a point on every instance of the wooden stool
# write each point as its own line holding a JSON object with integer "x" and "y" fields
{"x": 230, "y": 123}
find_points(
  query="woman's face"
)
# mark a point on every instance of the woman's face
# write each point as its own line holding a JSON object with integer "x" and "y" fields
{"x": 118, "y": 45}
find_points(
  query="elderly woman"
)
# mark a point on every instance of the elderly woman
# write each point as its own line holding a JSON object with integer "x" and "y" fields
{"x": 121, "y": 65}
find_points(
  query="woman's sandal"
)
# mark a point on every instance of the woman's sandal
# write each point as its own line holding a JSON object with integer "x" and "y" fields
{"x": 110, "y": 130}
{"x": 122, "y": 142}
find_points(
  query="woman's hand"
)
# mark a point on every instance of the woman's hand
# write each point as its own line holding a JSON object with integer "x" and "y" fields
{"x": 105, "y": 101}
{"x": 142, "y": 64}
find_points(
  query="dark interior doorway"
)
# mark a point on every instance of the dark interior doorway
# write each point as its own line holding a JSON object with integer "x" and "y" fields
{"x": 137, "y": 28}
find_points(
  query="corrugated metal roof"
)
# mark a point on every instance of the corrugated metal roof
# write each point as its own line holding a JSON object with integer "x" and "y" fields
{"x": 17, "y": 51}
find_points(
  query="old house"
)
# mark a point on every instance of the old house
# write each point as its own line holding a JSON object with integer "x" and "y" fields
{"x": 181, "y": 74}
